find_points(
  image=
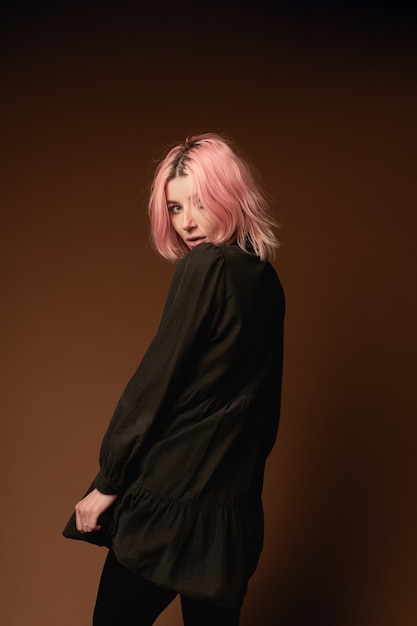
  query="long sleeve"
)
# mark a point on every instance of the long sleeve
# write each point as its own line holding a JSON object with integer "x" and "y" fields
{"x": 195, "y": 298}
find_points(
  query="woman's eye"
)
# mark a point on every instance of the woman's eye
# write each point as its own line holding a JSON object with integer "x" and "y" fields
{"x": 174, "y": 208}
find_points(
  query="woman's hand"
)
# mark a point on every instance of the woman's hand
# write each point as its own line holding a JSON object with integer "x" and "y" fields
{"x": 88, "y": 510}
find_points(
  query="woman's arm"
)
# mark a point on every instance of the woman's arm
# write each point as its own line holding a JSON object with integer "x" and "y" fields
{"x": 195, "y": 298}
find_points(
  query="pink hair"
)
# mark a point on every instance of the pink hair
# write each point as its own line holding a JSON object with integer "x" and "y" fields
{"x": 226, "y": 188}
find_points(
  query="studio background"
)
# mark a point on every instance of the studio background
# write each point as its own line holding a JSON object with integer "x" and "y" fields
{"x": 323, "y": 101}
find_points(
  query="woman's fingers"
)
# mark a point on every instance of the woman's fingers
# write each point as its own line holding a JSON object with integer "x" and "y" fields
{"x": 88, "y": 510}
{"x": 86, "y": 518}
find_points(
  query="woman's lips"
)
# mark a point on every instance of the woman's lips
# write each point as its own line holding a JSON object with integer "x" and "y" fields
{"x": 194, "y": 241}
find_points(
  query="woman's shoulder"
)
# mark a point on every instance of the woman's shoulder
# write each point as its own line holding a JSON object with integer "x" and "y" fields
{"x": 202, "y": 256}
{"x": 206, "y": 256}
{"x": 207, "y": 251}
{"x": 203, "y": 261}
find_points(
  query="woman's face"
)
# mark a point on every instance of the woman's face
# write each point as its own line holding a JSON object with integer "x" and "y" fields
{"x": 188, "y": 218}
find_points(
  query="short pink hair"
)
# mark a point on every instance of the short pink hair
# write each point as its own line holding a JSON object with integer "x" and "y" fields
{"x": 227, "y": 189}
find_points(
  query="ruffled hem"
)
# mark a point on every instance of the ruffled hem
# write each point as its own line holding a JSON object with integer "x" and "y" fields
{"x": 204, "y": 552}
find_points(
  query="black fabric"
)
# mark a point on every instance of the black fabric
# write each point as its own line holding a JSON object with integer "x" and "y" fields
{"x": 186, "y": 446}
{"x": 129, "y": 600}
{"x": 124, "y": 599}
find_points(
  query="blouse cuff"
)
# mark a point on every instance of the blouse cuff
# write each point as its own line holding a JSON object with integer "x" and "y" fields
{"x": 106, "y": 487}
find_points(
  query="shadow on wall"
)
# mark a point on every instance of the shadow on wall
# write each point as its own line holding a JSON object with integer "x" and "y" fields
{"x": 333, "y": 547}
{"x": 332, "y": 557}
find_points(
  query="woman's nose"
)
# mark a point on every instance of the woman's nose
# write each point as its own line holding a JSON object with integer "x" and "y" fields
{"x": 188, "y": 221}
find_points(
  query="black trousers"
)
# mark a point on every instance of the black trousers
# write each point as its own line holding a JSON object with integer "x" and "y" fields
{"x": 125, "y": 599}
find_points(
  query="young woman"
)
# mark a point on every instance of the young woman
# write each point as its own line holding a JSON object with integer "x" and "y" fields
{"x": 182, "y": 461}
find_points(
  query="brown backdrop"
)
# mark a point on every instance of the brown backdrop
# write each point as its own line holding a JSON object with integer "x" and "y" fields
{"x": 324, "y": 102}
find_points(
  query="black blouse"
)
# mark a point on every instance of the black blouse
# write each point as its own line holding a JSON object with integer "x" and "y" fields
{"x": 186, "y": 446}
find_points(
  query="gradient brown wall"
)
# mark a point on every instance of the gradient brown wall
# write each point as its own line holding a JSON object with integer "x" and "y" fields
{"x": 324, "y": 103}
